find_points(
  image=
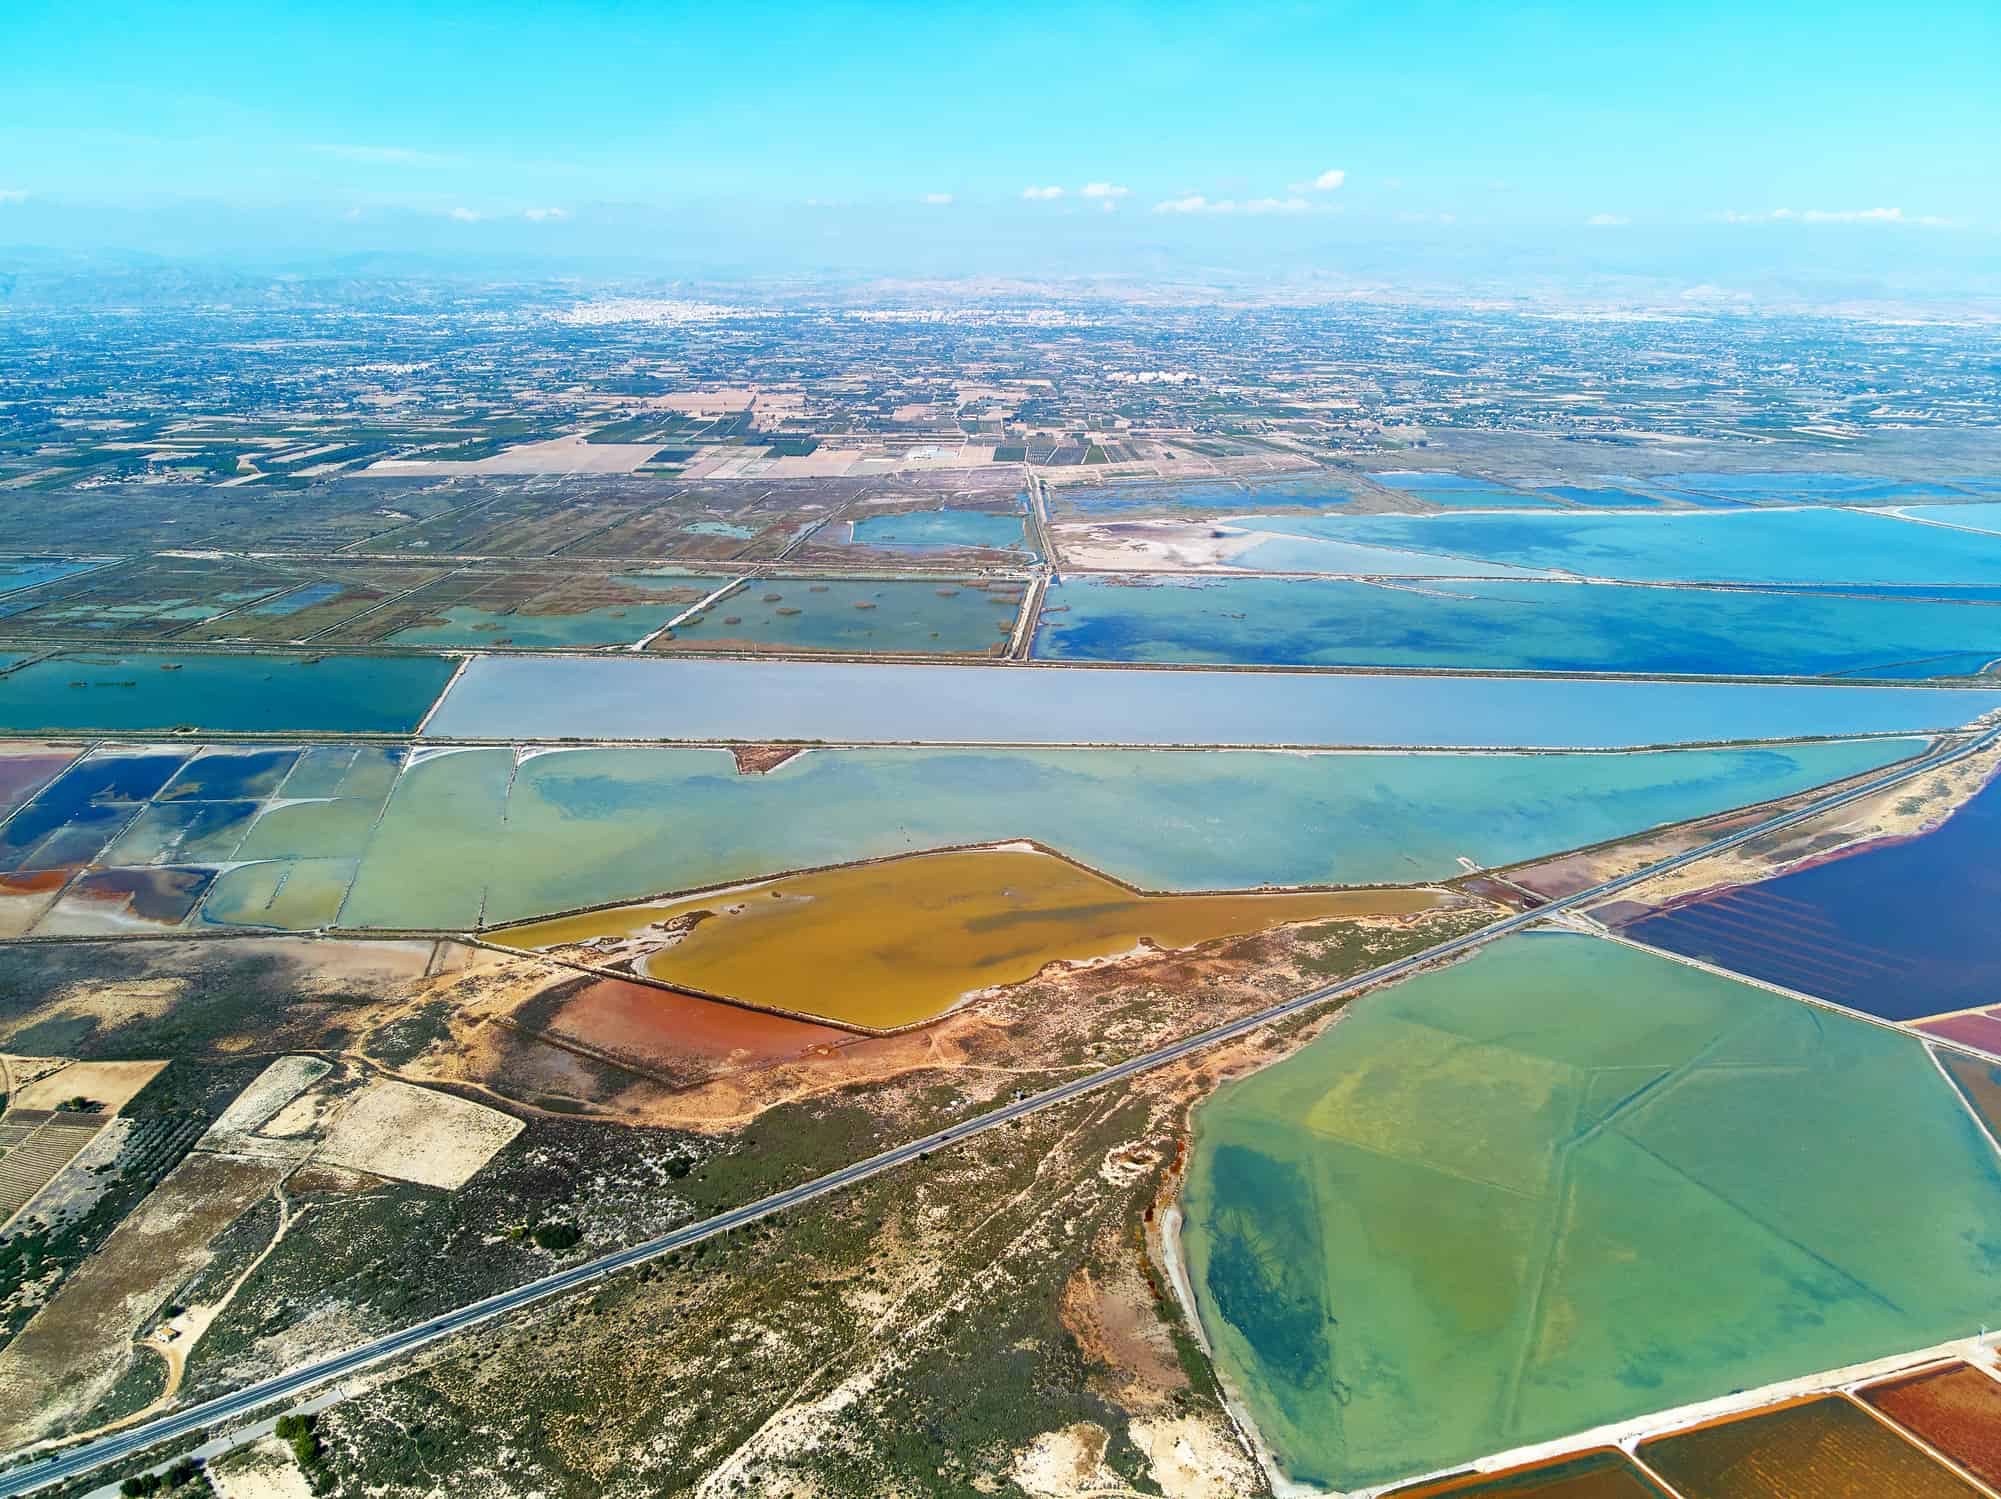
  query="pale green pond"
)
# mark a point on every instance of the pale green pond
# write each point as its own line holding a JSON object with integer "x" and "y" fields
{"x": 1567, "y": 1182}
{"x": 470, "y": 836}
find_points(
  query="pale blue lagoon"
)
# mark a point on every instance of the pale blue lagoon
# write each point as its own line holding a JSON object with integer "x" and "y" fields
{"x": 1510, "y": 626}
{"x": 518, "y": 698}
{"x": 497, "y": 835}
{"x": 1806, "y": 546}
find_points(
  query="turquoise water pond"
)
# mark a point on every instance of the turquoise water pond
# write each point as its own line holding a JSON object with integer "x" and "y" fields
{"x": 478, "y": 834}
{"x": 1565, "y": 1183}
{"x": 1509, "y": 626}
{"x": 935, "y": 530}
{"x": 518, "y": 698}
{"x": 1735, "y": 546}
{"x": 80, "y": 691}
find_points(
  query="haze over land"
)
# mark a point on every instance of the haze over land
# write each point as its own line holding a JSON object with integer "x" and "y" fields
{"x": 750, "y": 753}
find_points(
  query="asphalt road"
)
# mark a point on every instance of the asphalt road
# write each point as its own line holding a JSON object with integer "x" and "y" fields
{"x": 117, "y": 1445}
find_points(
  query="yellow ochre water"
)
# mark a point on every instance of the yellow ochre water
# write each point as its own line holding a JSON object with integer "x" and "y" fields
{"x": 902, "y": 941}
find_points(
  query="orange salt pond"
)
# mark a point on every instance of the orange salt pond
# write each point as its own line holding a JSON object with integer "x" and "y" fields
{"x": 884, "y": 945}
{"x": 1825, "y": 1448}
{"x": 1603, "y": 1474}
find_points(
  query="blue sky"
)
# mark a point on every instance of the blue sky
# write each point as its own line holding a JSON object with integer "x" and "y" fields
{"x": 775, "y": 134}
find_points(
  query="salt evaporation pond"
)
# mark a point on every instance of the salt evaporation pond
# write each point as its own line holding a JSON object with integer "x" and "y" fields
{"x": 1509, "y": 626}
{"x": 149, "y": 692}
{"x": 26, "y": 572}
{"x": 1204, "y": 496}
{"x": 941, "y": 530}
{"x": 473, "y": 835}
{"x": 523, "y": 698}
{"x": 1566, "y": 1183}
{"x": 1984, "y": 516}
{"x": 471, "y": 625}
{"x": 1736, "y": 546}
{"x": 1899, "y": 930}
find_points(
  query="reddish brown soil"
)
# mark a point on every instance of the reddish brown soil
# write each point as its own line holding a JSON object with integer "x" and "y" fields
{"x": 1591, "y": 1475}
{"x": 1981, "y": 1028}
{"x": 1957, "y": 1410}
{"x": 756, "y": 759}
{"x": 637, "y": 1020}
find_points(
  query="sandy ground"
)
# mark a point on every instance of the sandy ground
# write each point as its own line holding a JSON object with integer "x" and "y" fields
{"x": 112, "y": 1084}
{"x": 413, "y": 1134}
{"x": 1906, "y": 811}
{"x": 1070, "y": 1461}
{"x": 273, "y": 1088}
{"x": 1149, "y": 545}
{"x": 263, "y": 1470}
{"x": 559, "y": 455}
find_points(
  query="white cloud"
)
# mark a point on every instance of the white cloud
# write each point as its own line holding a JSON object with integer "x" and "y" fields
{"x": 1838, "y": 216}
{"x": 1292, "y": 205}
{"x": 13, "y": 195}
{"x": 938, "y": 200}
{"x": 1104, "y": 190}
{"x": 1041, "y": 194}
{"x": 1326, "y": 182}
{"x": 465, "y": 215}
{"x": 540, "y": 214}
{"x": 1193, "y": 203}
{"x": 398, "y": 156}
{"x": 1608, "y": 221}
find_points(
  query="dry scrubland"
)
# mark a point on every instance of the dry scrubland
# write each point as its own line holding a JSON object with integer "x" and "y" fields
{"x": 825, "y": 1350}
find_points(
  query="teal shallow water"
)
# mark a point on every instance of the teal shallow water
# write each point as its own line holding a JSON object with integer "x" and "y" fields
{"x": 936, "y": 530}
{"x": 470, "y": 626}
{"x": 1730, "y": 546}
{"x": 1508, "y": 626}
{"x": 80, "y": 691}
{"x": 523, "y": 698}
{"x": 921, "y": 616}
{"x": 1565, "y": 1183}
{"x": 468, "y": 835}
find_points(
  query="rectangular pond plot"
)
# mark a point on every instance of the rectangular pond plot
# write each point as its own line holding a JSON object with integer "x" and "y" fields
{"x": 340, "y": 593}
{"x": 122, "y": 902}
{"x": 280, "y": 895}
{"x": 1562, "y": 1184}
{"x": 182, "y": 832}
{"x": 160, "y": 692}
{"x": 29, "y": 572}
{"x": 1827, "y": 1448}
{"x": 898, "y": 616}
{"x": 1844, "y": 489}
{"x": 1984, "y": 517}
{"x": 1980, "y": 1029}
{"x": 222, "y": 774}
{"x": 1601, "y": 498}
{"x": 530, "y": 611}
{"x": 1606, "y": 1474}
{"x": 26, "y": 768}
{"x": 1899, "y": 930}
{"x": 1507, "y": 626}
{"x": 473, "y": 835}
{"x": 142, "y": 600}
{"x": 1308, "y": 494}
{"x": 936, "y": 532}
{"x": 104, "y": 789}
{"x": 1979, "y": 1083}
{"x": 1470, "y": 498}
{"x": 1801, "y": 546}
{"x": 1956, "y": 1409}
{"x": 637, "y": 697}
